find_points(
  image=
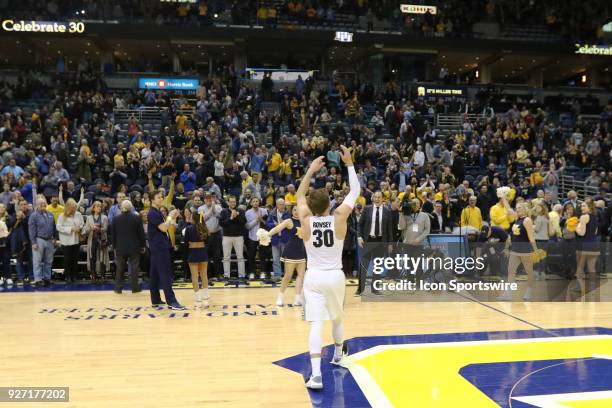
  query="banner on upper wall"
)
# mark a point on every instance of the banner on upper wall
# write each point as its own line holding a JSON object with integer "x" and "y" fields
{"x": 441, "y": 91}
{"x": 417, "y": 9}
{"x": 171, "y": 84}
{"x": 32, "y": 26}
{"x": 588, "y": 49}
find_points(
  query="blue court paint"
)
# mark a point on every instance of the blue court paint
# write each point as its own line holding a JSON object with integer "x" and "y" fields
{"x": 494, "y": 379}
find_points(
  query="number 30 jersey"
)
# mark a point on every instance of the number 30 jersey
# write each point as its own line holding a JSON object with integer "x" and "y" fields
{"x": 323, "y": 249}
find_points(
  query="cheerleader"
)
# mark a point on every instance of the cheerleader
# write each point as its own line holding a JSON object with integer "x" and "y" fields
{"x": 588, "y": 244}
{"x": 522, "y": 249}
{"x": 294, "y": 257}
{"x": 196, "y": 236}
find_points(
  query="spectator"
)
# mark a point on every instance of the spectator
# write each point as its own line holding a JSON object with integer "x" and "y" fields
{"x": 69, "y": 226}
{"x": 471, "y": 216}
{"x": 41, "y": 230}
{"x": 213, "y": 188}
{"x": 128, "y": 239}
{"x": 19, "y": 243}
{"x": 5, "y": 247}
{"x": 501, "y": 214}
{"x": 96, "y": 231}
{"x": 416, "y": 226}
{"x": 188, "y": 178}
{"x": 375, "y": 226}
{"x": 233, "y": 222}
{"x": 255, "y": 219}
{"x": 275, "y": 217}
{"x": 211, "y": 213}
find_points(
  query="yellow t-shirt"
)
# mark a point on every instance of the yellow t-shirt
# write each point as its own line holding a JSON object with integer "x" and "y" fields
{"x": 274, "y": 162}
{"x": 181, "y": 122}
{"x": 471, "y": 217}
{"x": 500, "y": 217}
{"x": 290, "y": 198}
{"x": 246, "y": 182}
{"x": 56, "y": 211}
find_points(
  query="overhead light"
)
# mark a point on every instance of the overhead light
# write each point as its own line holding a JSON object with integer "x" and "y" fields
{"x": 583, "y": 78}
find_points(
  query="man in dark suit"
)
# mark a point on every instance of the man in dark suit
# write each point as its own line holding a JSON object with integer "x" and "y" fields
{"x": 128, "y": 238}
{"x": 437, "y": 219}
{"x": 375, "y": 225}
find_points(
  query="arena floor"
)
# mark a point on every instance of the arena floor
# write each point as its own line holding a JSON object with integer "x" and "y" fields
{"x": 116, "y": 350}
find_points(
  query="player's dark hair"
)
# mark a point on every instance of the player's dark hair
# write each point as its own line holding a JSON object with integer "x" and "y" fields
{"x": 318, "y": 201}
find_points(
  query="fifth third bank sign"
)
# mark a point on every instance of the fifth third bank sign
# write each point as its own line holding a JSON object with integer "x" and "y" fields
{"x": 175, "y": 84}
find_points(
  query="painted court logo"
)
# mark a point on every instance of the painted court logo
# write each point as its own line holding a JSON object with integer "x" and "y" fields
{"x": 159, "y": 312}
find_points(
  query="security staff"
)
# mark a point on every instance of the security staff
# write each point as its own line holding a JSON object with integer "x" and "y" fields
{"x": 161, "y": 260}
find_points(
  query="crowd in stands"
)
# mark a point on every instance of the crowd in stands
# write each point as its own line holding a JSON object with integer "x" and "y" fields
{"x": 453, "y": 17}
{"x": 68, "y": 166}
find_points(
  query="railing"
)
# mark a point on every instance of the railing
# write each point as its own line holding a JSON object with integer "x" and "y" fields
{"x": 454, "y": 121}
{"x": 568, "y": 183}
{"x": 147, "y": 114}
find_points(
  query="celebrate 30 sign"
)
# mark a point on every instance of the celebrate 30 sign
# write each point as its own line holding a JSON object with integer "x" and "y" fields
{"x": 72, "y": 27}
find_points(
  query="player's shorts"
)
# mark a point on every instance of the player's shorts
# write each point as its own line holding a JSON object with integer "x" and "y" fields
{"x": 323, "y": 295}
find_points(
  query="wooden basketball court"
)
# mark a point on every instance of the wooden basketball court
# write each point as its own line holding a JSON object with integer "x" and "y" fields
{"x": 117, "y": 351}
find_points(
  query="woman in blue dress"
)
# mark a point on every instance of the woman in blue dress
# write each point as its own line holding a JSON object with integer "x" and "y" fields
{"x": 293, "y": 256}
{"x": 196, "y": 236}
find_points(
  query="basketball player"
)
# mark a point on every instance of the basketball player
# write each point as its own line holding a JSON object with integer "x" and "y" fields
{"x": 324, "y": 286}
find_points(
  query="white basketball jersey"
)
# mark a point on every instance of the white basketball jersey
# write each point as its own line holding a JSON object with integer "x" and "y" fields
{"x": 323, "y": 249}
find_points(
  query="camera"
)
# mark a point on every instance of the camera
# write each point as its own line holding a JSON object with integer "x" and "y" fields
{"x": 406, "y": 207}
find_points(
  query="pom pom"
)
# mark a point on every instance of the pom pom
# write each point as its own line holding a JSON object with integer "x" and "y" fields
{"x": 263, "y": 237}
{"x": 502, "y": 192}
{"x": 538, "y": 255}
{"x": 571, "y": 224}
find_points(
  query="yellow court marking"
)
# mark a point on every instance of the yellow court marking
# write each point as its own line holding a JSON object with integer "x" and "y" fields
{"x": 427, "y": 375}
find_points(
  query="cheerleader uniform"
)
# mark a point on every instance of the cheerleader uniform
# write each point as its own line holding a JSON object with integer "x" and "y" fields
{"x": 588, "y": 243}
{"x": 520, "y": 244}
{"x": 196, "y": 251}
{"x": 294, "y": 251}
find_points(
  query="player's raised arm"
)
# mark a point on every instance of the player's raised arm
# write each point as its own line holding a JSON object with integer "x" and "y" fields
{"x": 347, "y": 205}
{"x": 302, "y": 204}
